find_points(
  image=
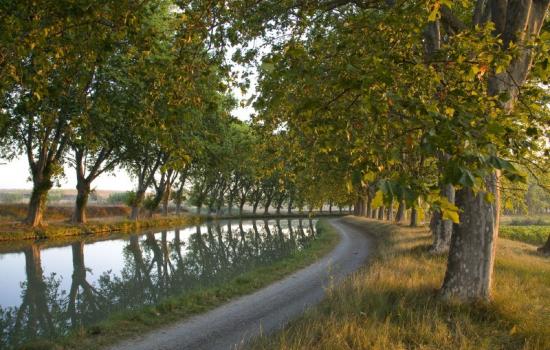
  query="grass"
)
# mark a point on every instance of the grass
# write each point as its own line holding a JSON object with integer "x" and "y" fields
{"x": 392, "y": 303}
{"x": 16, "y": 232}
{"x": 534, "y": 234}
{"x": 136, "y": 322}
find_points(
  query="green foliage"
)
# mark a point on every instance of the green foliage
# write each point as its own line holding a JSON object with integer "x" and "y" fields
{"x": 121, "y": 198}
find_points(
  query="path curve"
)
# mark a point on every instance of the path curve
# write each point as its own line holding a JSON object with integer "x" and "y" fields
{"x": 231, "y": 325}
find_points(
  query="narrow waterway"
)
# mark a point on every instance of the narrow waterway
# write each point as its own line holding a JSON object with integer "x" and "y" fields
{"x": 47, "y": 289}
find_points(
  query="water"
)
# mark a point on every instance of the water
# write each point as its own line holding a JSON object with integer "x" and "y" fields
{"x": 48, "y": 290}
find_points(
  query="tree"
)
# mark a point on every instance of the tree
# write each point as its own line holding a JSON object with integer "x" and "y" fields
{"x": 50, "y": 72}
{"x": 400, "y": 90}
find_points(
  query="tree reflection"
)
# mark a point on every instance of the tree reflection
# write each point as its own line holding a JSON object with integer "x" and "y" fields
{"x": 155, "y": 266}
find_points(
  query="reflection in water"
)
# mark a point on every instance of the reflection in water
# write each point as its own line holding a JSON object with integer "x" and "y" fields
{"x": 155, "y": 266}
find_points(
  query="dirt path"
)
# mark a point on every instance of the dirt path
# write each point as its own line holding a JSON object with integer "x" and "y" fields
{"x": 231, "y": 325}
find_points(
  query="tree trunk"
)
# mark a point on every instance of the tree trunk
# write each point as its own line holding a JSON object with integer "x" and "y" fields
{"x": 389, "y": 214}
{"x": 381, "y": 213}
{"x": 330, "y": 207}
{"x": 37, "y": 203}
{"x": 442, "y": 229}
{"x": 472, "y": 251}
{"x": 545, "y": 249}
{"x": 400, "y": 216}
{"x": 83, "y": 193}
{"x": 374, "y": 213}
{"x": 290, "y": 206}
{"x": 414, "y": 217}
{"x": 166, "y": 199}
{"x": 136, "y": 205}
{"x": 255, "y": 206}
{"x": 267, "y": 205}
{"x": 241, "y": 206}
{"x": 368, "y": 212}
{"x": 230, "y": 205}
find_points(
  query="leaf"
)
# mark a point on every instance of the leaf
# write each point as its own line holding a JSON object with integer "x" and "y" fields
{"x": 378, "y": 199}
{"x": 449, "y": 211}
{"x": 268, "y": 67}
{"x": 434, "y": 12}
{"x": 466, "y": 179}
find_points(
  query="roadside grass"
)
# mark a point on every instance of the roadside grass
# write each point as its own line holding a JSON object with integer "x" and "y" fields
{"x": 392, "y": 303}
{"x": 136, "y": 322}
{"x": 532, "y": 234}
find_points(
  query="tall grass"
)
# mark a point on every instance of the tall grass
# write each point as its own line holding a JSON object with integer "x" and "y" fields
{"x": 392, "y": 303}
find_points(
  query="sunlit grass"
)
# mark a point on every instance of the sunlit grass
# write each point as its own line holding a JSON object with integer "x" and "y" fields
{"x": 392, "y": 304}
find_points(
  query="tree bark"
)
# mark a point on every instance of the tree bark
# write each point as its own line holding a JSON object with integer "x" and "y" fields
{"x": 414, "y": 217}
{"x": 357, "y": 207}
{"x": 267, "y": 205}
{"x": 381, "y": 213}
{"x": 241, "y": 206}
{"x": 368, "y": 212}
{"x": 389, "y": 214}
{"x": 136, "y": 204}
{"x": 400, "y": 215}
{"x": 472, "y": 250}
{"x": 83, "y": 193}
{"x": 37, "y": 203}
{"x": 442, "y": 230}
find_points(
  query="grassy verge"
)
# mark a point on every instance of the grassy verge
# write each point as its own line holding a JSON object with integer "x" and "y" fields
{"x": 392, "y": 304}
{"x": 133, "y": 323}
{"x": 533, "y": 234}
{"x": 17, "y": 232}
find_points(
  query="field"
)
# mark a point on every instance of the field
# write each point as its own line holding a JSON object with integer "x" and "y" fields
{"x": 17, "y": 212}
{"x": 392, "y": 303}
{"x": 529, "y": 229}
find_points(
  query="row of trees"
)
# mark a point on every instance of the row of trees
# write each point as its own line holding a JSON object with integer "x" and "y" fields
{"x": 138, "y": 85}
{"x": 259, "y": 171}
{"x": 417, "y": 101}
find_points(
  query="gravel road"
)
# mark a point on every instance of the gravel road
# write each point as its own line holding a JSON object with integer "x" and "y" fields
{"x": 231, "y": 325}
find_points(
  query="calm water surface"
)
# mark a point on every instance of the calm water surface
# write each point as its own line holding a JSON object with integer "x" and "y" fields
{"x": 47, "y": 291}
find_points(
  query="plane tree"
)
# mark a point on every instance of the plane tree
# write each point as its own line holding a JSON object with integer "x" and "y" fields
{"x": 50, "y": 69}
{"x": 436, "y": 72}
